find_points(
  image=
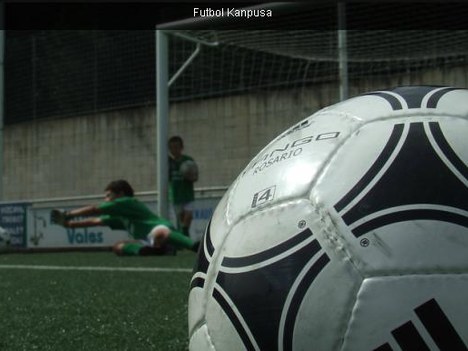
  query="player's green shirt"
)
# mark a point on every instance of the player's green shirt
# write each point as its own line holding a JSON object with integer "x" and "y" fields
{"x": 180, "y": 190}
{"x": 132, "y": 215}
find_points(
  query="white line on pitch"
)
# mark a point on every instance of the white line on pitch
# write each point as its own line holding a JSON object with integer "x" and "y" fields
{"x": 91, "y": 268}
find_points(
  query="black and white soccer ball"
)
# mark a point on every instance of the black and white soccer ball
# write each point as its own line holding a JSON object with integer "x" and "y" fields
{"x": 349, "y": 231}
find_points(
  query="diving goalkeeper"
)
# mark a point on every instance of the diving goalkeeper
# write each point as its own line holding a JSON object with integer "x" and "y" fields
{"x": 121, "y": 210}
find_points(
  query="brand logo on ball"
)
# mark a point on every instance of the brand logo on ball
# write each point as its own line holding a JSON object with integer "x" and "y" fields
{"x": 287, "y": 151}
{"x": 263, "y": 196}
{"x": 435, "y": 322}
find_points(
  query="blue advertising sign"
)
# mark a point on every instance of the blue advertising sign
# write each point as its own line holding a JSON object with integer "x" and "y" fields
{"x": 13, "y": 220}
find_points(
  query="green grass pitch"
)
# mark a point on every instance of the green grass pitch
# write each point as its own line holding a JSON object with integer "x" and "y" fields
{"x": 98, "y": 308}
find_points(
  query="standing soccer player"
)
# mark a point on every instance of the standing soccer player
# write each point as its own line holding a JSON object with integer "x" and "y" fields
{"x": 121, "y": 210}
{"x": 181, "y": 189}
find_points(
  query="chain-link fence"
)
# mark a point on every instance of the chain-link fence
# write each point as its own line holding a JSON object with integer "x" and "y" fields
{"x": 74, "y": 72}
{"x": 246, "y": 60}
{"x": 67, "y": 72}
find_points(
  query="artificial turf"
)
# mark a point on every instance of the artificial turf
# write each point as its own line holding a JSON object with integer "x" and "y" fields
{"x": 93, "y": 310}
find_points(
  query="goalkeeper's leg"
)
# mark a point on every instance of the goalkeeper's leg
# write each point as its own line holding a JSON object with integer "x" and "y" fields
{"x": 127, "y": 248}
{"x": 141, "y": 248}
{"x": 186, "y": 218}
{"x": 162, "y": 234}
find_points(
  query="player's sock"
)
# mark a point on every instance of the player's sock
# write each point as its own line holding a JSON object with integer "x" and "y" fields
{"x": 180, "y": 240}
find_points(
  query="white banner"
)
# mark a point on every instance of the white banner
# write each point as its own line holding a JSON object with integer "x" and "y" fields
{"x": 41, "y": 233}
{"x": 202, "y": 212}
{"x": 44, "y": 234}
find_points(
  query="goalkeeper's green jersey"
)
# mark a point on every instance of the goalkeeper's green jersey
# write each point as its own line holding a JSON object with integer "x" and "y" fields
{"x": 180, "y": 190}
{"x": 132, "y": 215}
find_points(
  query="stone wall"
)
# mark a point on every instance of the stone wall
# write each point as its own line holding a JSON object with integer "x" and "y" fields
{"x": 80, "y": 155}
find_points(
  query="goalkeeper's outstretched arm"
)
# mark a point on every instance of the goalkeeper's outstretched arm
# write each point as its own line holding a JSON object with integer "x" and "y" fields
{"x": 84, "y": 211}
{"x": 65, "y": 218}
{"x": 88, "y": 222}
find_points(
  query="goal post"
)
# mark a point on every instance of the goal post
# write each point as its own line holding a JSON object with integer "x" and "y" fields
{"x": 162, "y": 115}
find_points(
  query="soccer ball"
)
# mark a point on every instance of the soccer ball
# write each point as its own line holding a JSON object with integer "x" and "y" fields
{"x": 189, "y": 170}
{"x": 349, "y": 231}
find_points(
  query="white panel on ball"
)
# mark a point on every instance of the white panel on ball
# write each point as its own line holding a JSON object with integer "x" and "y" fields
{"x": 201, "y": 340}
